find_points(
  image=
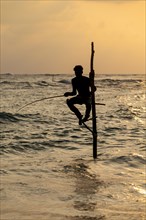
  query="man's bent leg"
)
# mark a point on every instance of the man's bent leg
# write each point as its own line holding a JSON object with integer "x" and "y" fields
{"x": 87, "y": 113}
{"x": 71, "y": 102}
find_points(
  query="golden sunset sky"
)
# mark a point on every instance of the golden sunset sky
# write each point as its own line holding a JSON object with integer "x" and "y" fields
{"x": 53, "y": 36}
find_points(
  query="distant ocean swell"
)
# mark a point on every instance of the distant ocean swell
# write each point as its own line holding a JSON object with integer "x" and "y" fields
{"x": 99, "y": 83}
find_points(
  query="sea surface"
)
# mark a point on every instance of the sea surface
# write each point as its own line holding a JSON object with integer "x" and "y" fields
{"x": 47, "y": 167}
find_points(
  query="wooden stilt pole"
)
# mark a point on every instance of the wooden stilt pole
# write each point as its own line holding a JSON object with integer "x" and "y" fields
{"x": 91, "y": 76}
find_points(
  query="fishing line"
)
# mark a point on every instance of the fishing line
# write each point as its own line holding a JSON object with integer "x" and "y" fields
{"x": 39, "y": 100}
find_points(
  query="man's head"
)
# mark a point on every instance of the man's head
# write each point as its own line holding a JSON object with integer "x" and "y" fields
{"x": 78, "y": 70}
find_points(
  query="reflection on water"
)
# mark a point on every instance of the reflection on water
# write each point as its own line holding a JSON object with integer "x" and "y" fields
{"x": 141, "y": 190}
{"x": 86, "y": 191}
{"x": 86, "y": 188}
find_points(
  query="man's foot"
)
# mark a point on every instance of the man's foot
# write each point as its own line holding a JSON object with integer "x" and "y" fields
{"x": 85, "y": 118}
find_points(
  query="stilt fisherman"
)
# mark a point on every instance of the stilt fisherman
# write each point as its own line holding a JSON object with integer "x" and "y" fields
{"x": 81, "y": 90}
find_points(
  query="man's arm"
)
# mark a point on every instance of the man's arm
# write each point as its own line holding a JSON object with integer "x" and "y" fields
{"x": 74, "y": 92}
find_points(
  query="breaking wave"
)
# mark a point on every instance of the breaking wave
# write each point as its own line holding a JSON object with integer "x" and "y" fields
{"x": 16, "y": 85}
{"x": 7, "y": 117}
{"x": 126, "y": 83}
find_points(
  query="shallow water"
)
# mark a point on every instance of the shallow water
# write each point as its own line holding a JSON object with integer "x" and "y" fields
{"x": 47, "y": 169}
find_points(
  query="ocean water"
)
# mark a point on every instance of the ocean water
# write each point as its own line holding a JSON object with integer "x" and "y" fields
{"x": 47, "y": 168}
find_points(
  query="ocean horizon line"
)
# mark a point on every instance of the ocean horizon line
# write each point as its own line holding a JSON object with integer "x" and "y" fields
{"x": 53, "y": 74}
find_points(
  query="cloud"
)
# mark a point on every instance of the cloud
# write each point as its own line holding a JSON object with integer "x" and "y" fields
{"x": 23, "y": 19}
{"x": 28, "y": 12}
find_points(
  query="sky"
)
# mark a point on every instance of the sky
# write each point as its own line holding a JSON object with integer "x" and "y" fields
{"x": 44, "y": 36}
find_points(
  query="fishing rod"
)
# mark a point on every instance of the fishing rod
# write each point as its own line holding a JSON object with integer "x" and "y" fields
{"x": 52, "y": 97}
{"x": 38, "y": 100}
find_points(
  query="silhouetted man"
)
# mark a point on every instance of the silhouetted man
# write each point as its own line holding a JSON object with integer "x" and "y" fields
{"x": 81, "y": 87}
